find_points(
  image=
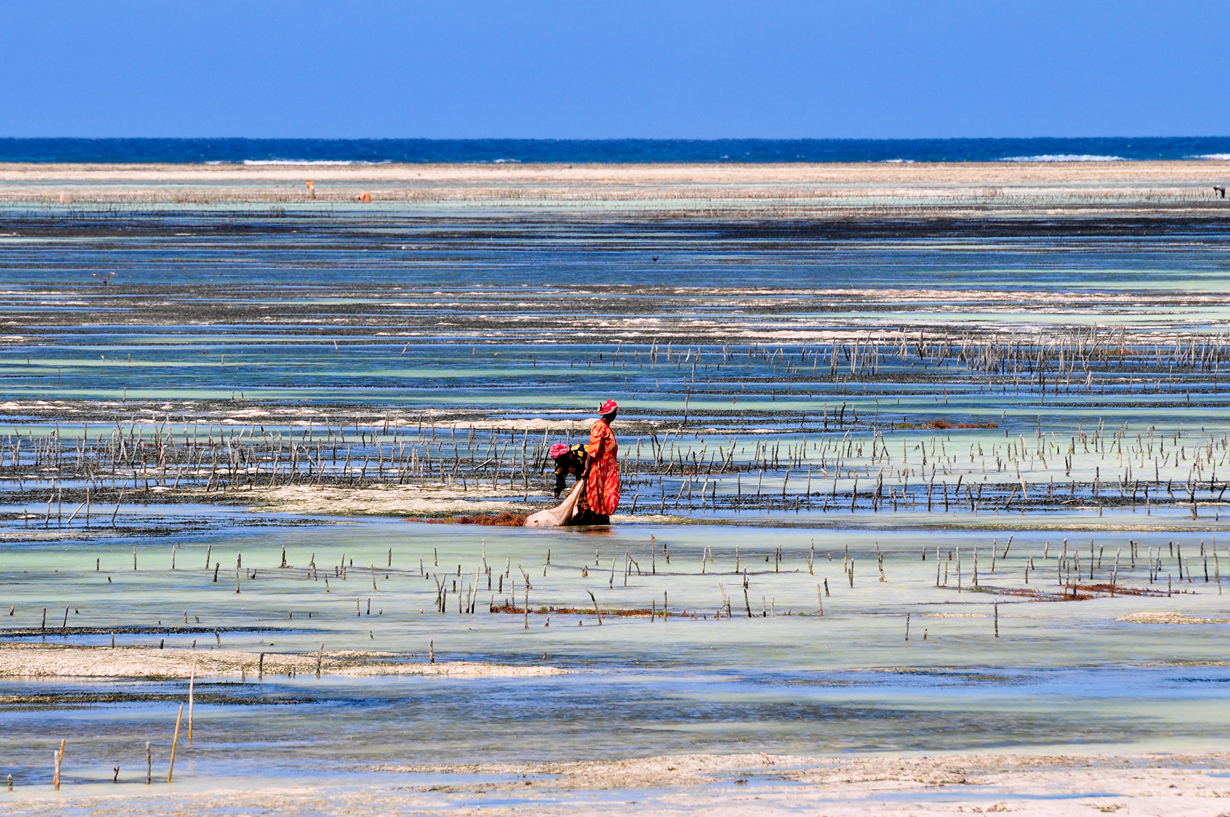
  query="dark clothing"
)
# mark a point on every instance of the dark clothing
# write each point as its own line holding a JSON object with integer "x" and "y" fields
{"x": 574, "y": 463}
{"x": 584, "y": 514}
{"x": 571, "y": 463}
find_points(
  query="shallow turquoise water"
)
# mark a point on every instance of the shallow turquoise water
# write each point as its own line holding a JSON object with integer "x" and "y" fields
{"x": 478, "y": 317}
{"x": 467, "y": 318}
{"x": 1061, "y": 676}
{"x": 329, "y": 730}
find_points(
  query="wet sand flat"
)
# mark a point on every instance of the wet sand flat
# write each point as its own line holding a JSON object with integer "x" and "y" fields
{"x": 750, "y": 188}
{"x": 106, "y": 662}
{"x": 724, "y": 784}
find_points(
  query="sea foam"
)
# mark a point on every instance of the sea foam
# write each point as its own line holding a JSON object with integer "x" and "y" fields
{"x": 301, "y": 162}
{"x": 1064, "y": 157}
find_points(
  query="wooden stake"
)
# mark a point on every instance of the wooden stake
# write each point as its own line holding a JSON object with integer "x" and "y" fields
{"x": 55, "y": 780}
{"x": 191, "y": 684}
{"x": 597, "y": 611}
{"x": 175, "y": 742}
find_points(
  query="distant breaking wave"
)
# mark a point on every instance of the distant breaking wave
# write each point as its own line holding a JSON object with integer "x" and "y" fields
{"x": 306, "y": 162}
{"x": 1214, "y": 157}
{"x": 1064, "y": 157}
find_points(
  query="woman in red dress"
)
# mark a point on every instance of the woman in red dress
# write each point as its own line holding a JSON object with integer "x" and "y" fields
{"x": 602, "y": 468}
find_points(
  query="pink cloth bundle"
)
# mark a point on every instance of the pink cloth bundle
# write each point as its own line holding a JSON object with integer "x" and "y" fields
{"x": 558, "y": 450}
{"x": 608, "y": 407}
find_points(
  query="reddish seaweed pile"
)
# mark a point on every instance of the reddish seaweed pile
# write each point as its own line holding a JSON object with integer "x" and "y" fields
{"x": 498, "y": 520}
{"x": 942, "y": 425}
{"x": 1075, "y": 592}
{"x": 511, "y": 608}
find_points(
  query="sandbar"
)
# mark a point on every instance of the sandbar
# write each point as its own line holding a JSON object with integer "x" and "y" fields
{"x": 734, "y": 784}
{"x": 759, "y": 190}
{"x": 18, "y": 660}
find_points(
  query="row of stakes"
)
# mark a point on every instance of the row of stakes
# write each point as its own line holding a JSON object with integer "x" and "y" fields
{"x": 149, "y": 757}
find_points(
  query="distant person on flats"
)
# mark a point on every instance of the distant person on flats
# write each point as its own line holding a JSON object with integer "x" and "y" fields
{"x": 601, "y": 475}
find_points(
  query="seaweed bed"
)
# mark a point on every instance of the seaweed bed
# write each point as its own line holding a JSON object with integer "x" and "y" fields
{"x": 504, "y": 519}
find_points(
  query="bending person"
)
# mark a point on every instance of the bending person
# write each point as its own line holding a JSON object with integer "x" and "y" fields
{"x": 569, "y": 459}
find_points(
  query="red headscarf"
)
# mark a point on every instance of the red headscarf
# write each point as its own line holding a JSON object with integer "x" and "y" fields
{"x": 608, "y": 407}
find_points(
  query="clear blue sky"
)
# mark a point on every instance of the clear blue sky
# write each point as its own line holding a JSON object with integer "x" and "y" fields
{"x": 658, "y": 69}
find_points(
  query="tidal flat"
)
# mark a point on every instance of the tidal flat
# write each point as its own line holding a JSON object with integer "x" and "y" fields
{"x": 921, "y": 491}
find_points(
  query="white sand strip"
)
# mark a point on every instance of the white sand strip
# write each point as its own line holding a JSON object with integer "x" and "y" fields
{"x": 54, "y": 661}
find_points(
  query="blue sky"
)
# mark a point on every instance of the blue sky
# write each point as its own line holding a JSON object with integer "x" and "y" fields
{"x": 453, "y": 69}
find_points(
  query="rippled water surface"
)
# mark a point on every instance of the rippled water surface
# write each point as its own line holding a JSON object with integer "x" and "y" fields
{"x": 1058, "y": 676}
{"x": 409, "y": 337}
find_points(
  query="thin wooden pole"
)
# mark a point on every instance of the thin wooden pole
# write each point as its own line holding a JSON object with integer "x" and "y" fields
{"x": 191, "y": 684}
{"x": 597, "y": 612}
{"x": 55, "y": 781}
{"x": 175, "y": 742}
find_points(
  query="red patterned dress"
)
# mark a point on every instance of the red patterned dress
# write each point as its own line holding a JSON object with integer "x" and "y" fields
{"x": 602, "y": 487}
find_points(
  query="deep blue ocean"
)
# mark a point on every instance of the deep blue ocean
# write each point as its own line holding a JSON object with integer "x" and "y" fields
{"x": 261, "y": 151}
